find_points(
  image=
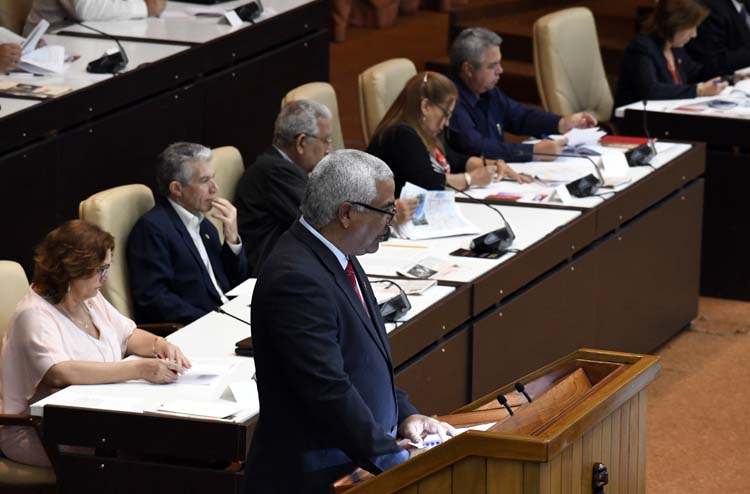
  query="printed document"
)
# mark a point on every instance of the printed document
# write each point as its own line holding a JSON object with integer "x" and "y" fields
{"x": 436, "y": 216}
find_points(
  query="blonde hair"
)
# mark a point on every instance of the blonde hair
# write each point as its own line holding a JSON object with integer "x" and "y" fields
{"x": 407, "y": 109}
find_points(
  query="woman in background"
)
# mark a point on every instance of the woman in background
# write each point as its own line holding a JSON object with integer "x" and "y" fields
{"x": 409, "y": 140}
{"x": 655, "y": 65}
{"x": 65, "y": 332}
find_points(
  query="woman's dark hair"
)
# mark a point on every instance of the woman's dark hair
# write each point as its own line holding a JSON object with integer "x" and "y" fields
{"x": 75, "y": 249}
{"x": 670, "y": 16}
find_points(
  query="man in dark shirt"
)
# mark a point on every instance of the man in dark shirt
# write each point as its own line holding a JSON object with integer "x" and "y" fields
{"x": 484, "y": 114}
{"x": 723, "y": 41}
{"x": 270, "y": 191}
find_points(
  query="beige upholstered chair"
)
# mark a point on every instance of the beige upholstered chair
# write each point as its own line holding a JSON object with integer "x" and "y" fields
{"x": 378, "y": 88}
{"x": 16, "y": 477}
{"x": 569, "y": 71}
{"x": 116, "y": 210}
{"x": 322, "y": 92}
{"x": 13, "y": 14}
{"x": 228, "y": 168}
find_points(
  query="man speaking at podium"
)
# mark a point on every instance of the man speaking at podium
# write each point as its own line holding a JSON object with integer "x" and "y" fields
{"x": 328, "y": 402}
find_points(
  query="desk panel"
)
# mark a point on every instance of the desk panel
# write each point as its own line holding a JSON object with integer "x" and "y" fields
{"x": 540, "y": 324}
{"x": 236, "y": 96}
{"x": 122, "y": 148}
{"x": 438, "y": 382}
{"x": 647, "y": 288}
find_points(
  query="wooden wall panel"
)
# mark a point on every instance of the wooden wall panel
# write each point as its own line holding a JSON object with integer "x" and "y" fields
{"x": 615, "y": 457}
{"x": 504, "y": 477}
{"x": 634, "y": 446}
{"x": 622, "y": 469}
{"x": 438, "y": 483}
{"x": 642, "y": 430}
{"x": 413, "y": 489}
{"x": 577, "y": 472}
{"x": 470, "y": 475}
{"x": 566, "y": 477}
{"x": 531, "y": 478}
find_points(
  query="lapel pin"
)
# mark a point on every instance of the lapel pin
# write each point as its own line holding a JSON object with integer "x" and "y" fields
{"x": 206, "y": 235}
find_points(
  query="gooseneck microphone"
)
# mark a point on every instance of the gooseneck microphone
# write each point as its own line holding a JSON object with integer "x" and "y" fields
{"x": 504, "y": 402}
{"x": 109, "y": 63}
{"x": 585, "y": 186}
{"x": 522, "y": 389}
{"x": 495, "y": 242}
{"x": 222, "y": 311}
{"x": 643, "y": 154}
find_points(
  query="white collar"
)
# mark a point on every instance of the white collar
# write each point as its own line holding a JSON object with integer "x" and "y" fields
{"x": 189, "y": 219}
{"x": 282, "y": 153}
{"x": 340, "y": 256}
{"x": 737, "y": 5}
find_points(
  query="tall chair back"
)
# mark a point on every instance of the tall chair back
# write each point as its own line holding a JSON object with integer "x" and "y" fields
{"x": 13, "y": 14}
{"x": 321, "y": 92}
{"x": 15, "y": 285}
{"x": 378, "y": 88}
{"x": 228, "y": 167}
{"x": 116, "y": 210}
{"x": 569, "y": 71}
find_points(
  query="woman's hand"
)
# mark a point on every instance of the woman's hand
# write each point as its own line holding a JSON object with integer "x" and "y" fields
{"x": 711, "y": 88}
{"x": 164, "y": 350}
{"x": 405, "y": 209}
{"x": 504, "y": 170}
{"x": 157, "y": 371}
{"x": 10, "y": 55}
{"x": 483, "y": 176}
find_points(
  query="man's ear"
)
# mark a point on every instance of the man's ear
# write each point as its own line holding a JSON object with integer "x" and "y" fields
{"x": 175, "y": 188}
{"x": 344, "y": 214}
{"x": 299, "y": 146}
{"x": 467, "y": 70}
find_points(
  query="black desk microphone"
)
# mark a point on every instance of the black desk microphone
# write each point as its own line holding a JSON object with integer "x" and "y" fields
{"x": 497, "y": 241}
{"x": 643, "y": 154}
{"x": 109, "y": 63}
{"x": 585, "y": 186}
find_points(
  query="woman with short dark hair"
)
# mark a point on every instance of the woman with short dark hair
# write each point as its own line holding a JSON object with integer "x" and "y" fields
{"x": 655, "y": 65}
{"x": 65, "y": 332}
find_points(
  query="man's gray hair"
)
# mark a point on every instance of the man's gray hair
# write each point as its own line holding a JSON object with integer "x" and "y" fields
{"x": 470, "y": 45}
{"x": 298, "y": 117}
{"x": 343, "y": 175}
{"x": 175, "y": 164}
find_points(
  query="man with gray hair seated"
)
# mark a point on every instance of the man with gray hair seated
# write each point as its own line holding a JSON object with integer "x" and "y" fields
{"x": 483, "y": 113}
{"x": 328, "y": 403}
{"x": 178, "y": 269}
{"x": 270, "y": 191}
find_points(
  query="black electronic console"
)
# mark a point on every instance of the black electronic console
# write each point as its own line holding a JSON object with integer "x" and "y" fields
{"x": 249, "y": 11}
{"x": 643, "y": 154}
{"x": 495, "y": 242}
{"x": 585, "y": 186}
{"x": 395, "y": 306}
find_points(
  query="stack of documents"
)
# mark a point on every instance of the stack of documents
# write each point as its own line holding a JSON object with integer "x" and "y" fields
{"x": 436, "y": 216}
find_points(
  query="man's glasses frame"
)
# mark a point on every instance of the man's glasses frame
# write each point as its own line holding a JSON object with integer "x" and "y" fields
{"x": 328, "y": 141}
{"x": 390, "y": 212}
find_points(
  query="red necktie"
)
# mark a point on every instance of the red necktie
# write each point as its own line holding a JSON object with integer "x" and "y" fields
{"x": 353, "y": 281}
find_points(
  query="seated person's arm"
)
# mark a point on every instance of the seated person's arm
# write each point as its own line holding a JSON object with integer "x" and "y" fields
{"x": 79, "y": 372}
{"x": 102, "y": 10}
{"x": 10, "y": 54}
{"x": 466, "y": 138}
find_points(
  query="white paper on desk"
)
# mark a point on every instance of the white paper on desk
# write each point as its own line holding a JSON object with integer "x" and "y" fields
{"x": 69, "y": 399}
{"x": 584, "y": 137}
{"x": 32, "y": 40}
{"x": 45, "y": 60}
{"x": 432, "y": 440}
{"x": 553, "y": 173}
{"x": 218, "y": 409}
{"x": 512, "y": 190}
{"x": 204, "y": 373}
{"x": 428, "y": 267}
{"x": 741, "y": 88}
{"x": 437, "y": 215}
{"x": 206, "y": 11}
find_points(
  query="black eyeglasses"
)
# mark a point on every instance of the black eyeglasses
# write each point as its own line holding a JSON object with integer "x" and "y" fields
{"x": 390, "y": 211}
{"x": 103, "y": 270}
{"x": 446, "y": 113}
{"x": 325, "y": 140}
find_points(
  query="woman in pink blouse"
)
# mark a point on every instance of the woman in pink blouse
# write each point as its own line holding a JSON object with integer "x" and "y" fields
{"x": 65, "y": 332}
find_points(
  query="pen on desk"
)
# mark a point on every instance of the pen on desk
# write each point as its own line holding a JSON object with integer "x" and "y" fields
{"x": 404, "y": 245}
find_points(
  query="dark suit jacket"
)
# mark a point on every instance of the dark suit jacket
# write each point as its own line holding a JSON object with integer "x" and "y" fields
{"x": 404, "y": 152}
{"x": 327, "y": 396}
{"x": 267, "y": 200}
{"x": 644, "y": 73}
{"x": 723, "y": 41}
{"x": 168, "y": 281}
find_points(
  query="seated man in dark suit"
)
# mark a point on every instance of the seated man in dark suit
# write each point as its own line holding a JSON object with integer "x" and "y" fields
{"x": 178, "y": 269}
{"x": 483, "y": 113}
{"x": 270, "y": 191}
{"x": 328, "y": 402}
{"x": 723, "y": 41}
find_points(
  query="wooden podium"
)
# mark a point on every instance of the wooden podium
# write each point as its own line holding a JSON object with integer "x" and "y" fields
{"x": 588, "y": 407}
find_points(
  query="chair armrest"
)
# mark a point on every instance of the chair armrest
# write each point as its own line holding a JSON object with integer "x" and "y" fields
{"x": 19, "y": 420}
{"x": 162, "y": 328}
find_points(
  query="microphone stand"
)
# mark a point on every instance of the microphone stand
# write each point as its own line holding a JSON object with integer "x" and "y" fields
{"x": 585, "y": 186}
{"x": 497, "y": 241}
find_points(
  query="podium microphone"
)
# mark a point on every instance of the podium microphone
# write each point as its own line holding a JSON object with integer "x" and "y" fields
{"x": 522, "y": 389}
{"x": 109, "y": 63}
{"x": 585, "y": 186}
{"x": 495, "y": 242}
{"x": 504, "y": 402}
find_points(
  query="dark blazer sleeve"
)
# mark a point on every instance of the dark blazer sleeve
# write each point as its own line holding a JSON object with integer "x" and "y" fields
{"x": 307, "y": 339}
{"x": 723, "y": 42}
{"x": 152, "y": 277}
{"x": 288, "y": 191}
{"x": 235, "y": 265}
{"x": 527, "y": 120}
{"x": 404, "y": 152}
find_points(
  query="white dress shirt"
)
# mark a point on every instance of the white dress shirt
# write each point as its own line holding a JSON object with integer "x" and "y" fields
{"x": 192, "y": 223}
{"x": 56, "y": 11}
